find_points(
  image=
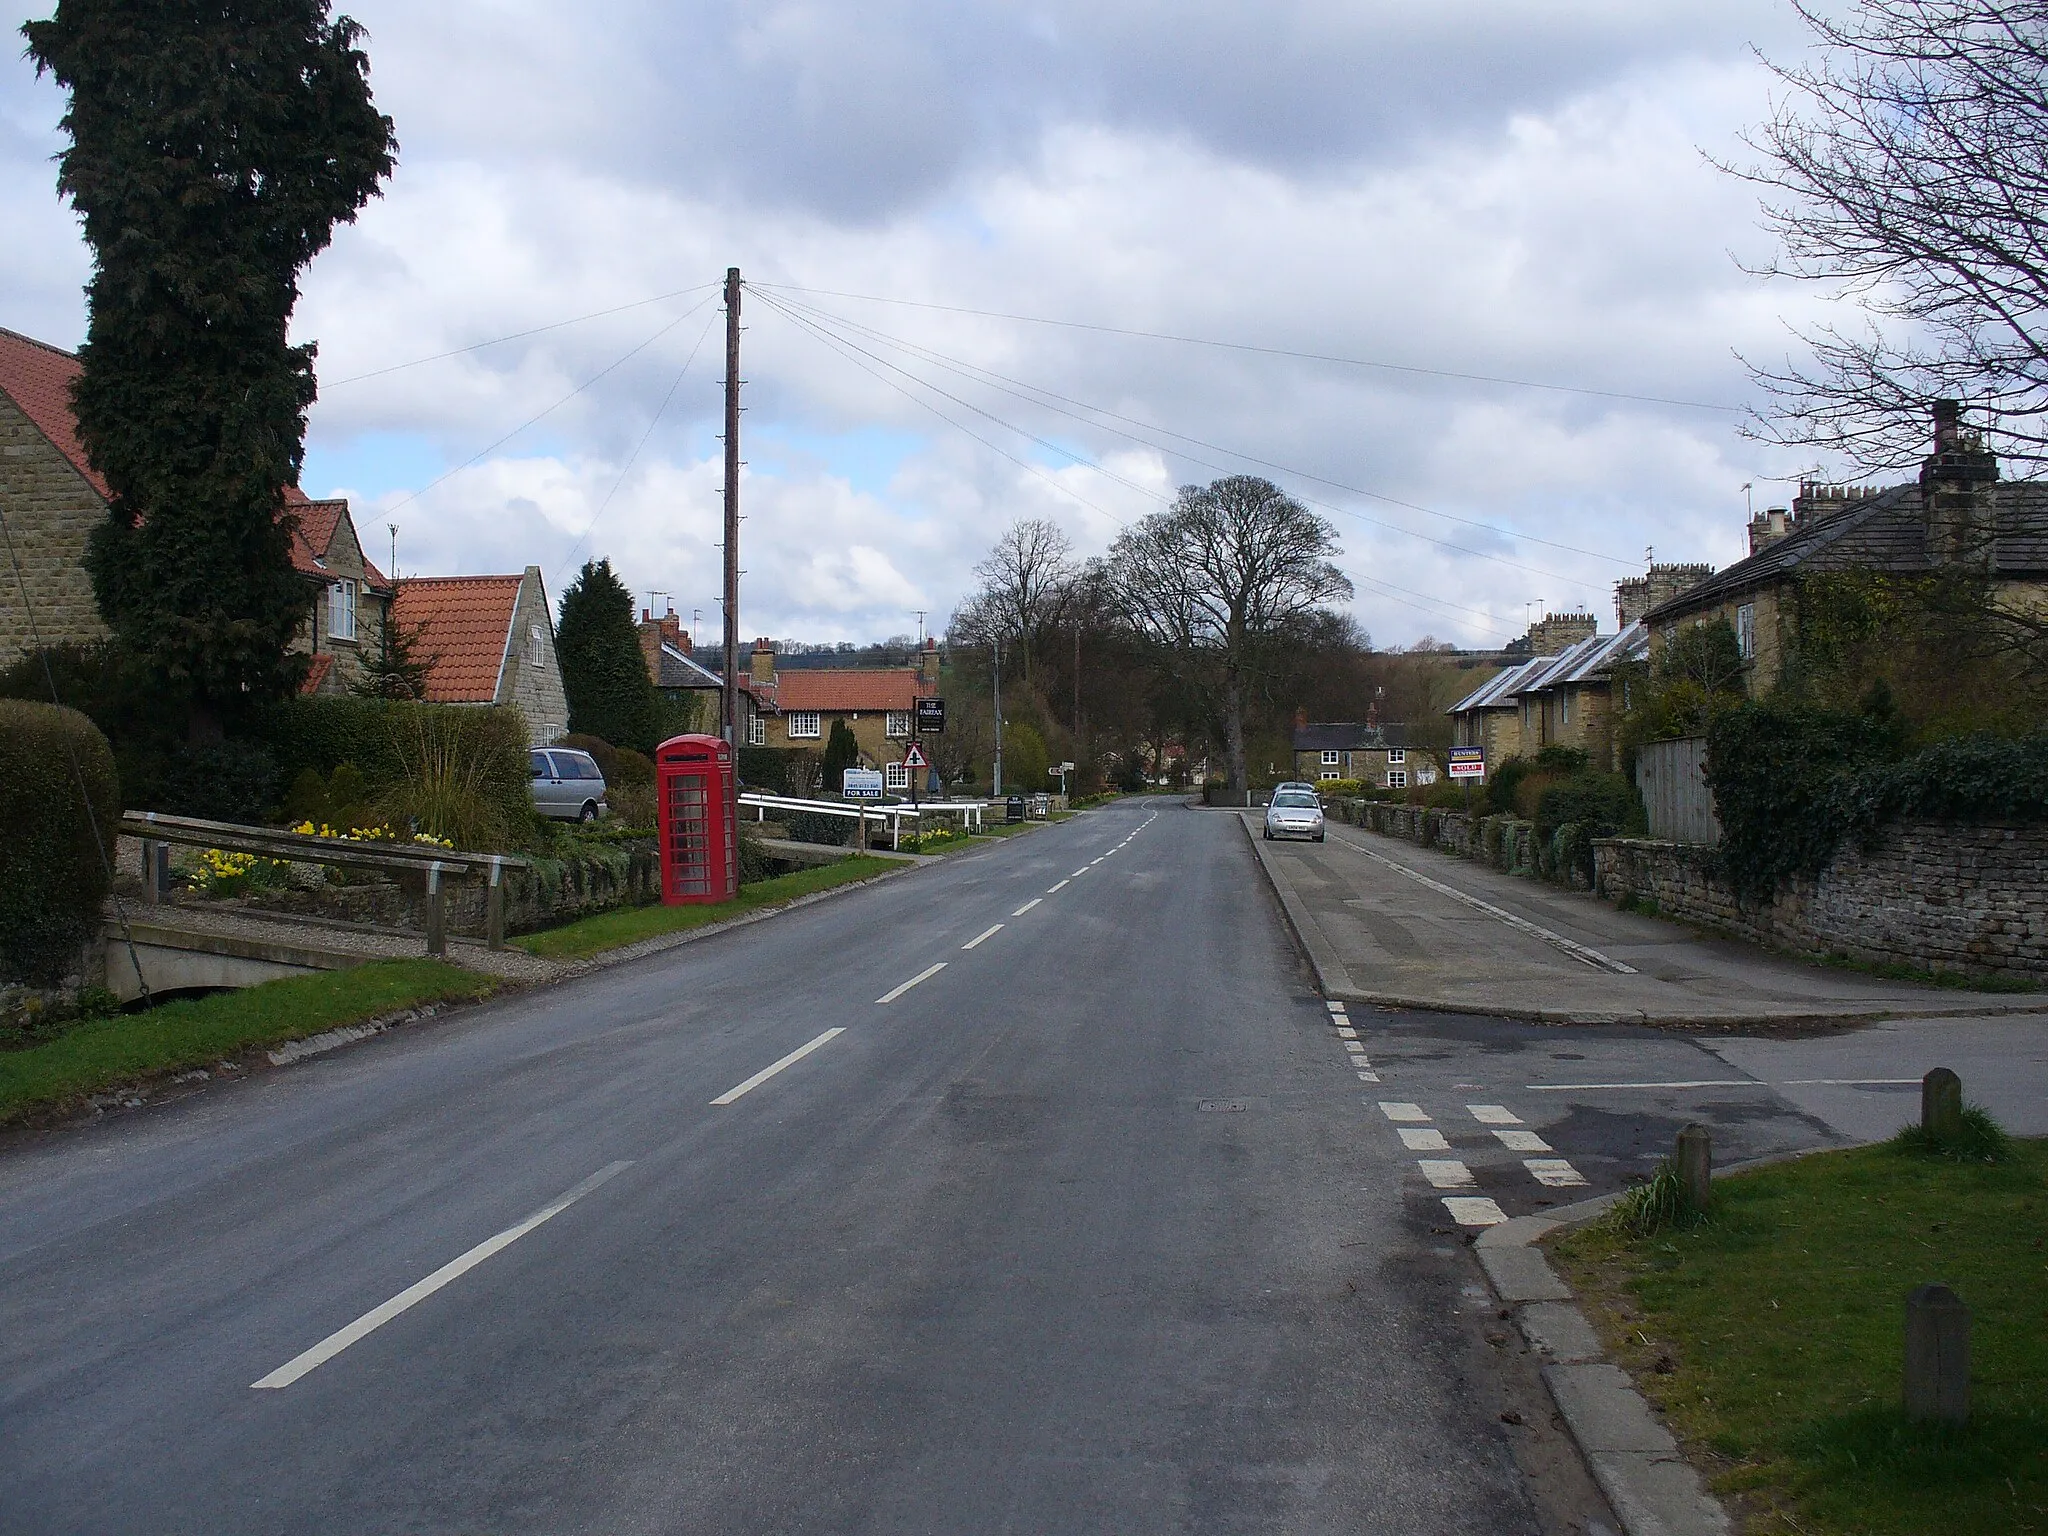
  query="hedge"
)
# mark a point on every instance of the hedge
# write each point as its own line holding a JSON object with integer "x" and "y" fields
{"x": 56, "y": 844}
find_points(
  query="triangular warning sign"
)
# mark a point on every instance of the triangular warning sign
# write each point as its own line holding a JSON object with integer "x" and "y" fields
{"x": 913, "y": 756}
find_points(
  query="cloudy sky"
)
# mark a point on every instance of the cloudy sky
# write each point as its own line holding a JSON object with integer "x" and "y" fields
{"x": 1418, "y": 212}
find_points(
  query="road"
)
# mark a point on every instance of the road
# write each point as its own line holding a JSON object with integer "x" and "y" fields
{"x": 1035, "y": 1191}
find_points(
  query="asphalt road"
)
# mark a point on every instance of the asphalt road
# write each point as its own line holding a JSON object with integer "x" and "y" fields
{"x": 1094, "y": 1229}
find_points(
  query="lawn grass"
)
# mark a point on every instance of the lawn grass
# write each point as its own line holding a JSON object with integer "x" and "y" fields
{"x": 1772, "y": 1336}
{"x": 130, "y": 1047}
{"x": 629, "y": 925}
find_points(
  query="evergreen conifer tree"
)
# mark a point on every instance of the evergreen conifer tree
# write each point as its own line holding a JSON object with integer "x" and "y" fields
{"x": 396, "y": 668}
{"x": 213, "y": 150}
{"x": 604, "y": 672}
{"x": 841, "y": 753}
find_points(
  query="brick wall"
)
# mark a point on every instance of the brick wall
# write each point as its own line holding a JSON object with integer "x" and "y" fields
{"x": 51, "y": 512}
{"x": 1937, "y": 895}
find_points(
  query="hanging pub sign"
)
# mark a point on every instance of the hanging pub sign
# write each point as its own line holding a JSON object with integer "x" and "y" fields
{"x": 931, "y": 717}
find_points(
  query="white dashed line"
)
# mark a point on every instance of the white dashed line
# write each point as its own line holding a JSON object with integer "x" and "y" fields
{"x": 1446, "y": 1173}
{"x": 1522, "y": 1141}
{"x": 1474, "y": 1211}
{"x": 1368, "y": 1077}
{"x": 979, "y": 938}
{"x": 1410, "y": 1113}
{"x": 1493, "y": 1114}
{"x": 1423, "y": 1138}
{"x": 1346, "y": 1032}
{"x": 926, "y": 974}
{"x": 413, "y": 1294}
{"x": 1034, "y": 901}
{"x": 1337, "y": 1009}
{"x": 1060, "y": 887}
{"x": 1554, "y": 1172}
{"x": 1077, "y": 874}
{"x": 790, "y": 1060}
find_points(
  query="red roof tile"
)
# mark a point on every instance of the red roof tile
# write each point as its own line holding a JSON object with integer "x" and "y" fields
{"x": 847, "y": 688}
{"x": 468, "y": 620}
{"x": 316, "y": 674}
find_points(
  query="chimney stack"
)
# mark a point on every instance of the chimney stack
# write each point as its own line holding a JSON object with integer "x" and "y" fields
{"x": 1958, "y": 493}
{"x": 764, "y": 662}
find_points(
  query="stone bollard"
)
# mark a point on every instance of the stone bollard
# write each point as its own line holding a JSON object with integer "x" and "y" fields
{"x": 1941, "y": 1104}
{"x": 1937, "y": 1355}
{"x": 1694, "y": 1159}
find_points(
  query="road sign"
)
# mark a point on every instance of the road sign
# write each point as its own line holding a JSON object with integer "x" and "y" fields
{"x": 913, "y": 756}
{"x": 862, "y": 783}
{"x": 931, "y": 717}
{"x": 1468, "y": 762}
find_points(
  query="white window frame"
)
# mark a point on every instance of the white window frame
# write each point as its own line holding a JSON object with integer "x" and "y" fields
{"x": 1745, "y": 631}
{"x": 1397, "y": 778}
{"x": 896, "y": 725}
{"x": 895, "y": 776}
{"x": 1330, "y": 773}
{"x": 1332, "y": 759}
{"x": 536, "y": 649}
{"x": 1396, "y": 756}
{"x": 341, "y": 610}
{"x": 805, "y": 725}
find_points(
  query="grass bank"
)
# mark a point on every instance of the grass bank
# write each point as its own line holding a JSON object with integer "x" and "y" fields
{"x": 629, "y": 925}
{"x": 1772, "y": 1336}
{"x": 128, "y": 1048}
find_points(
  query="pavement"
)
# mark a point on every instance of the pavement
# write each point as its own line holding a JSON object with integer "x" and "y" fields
{"x": 1387, "y": 921}
{"x": 1037, "y": 1190}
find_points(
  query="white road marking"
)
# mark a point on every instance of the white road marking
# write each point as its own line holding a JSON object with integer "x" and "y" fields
{"x": 978, "y": 938}
{"x": 1446, "y": 1173}
{"x": 1346, "y": 1032}
{"x": 1522, "y": 1141}
{"x": 1336, "y": 1008}
{"x": 1355, "y": 1047}
{"x": 1077, "y": 874}
{"x": 1850, "y": 1082}
{"x": 1368, "y": 1077}
{"x": 1704, "y": 1082}
{"x": 1493, "y": 1114}
{"x": 1474, "y": 1211}
{"x": 926, "y": 974}
{"x": 1060, "y": 887}
{"x": 418, "y": 1292}
{"x": 1423, "y": 1138}
{"x": 1550, "y": 936}
{"x": 1554, "y": 1172}
{"x": 1034, "y": 901}
{"x": 790, "y": 1060}
{"x": 1411, "y": 1113}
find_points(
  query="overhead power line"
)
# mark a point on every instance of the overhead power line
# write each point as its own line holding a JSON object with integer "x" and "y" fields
{"x": 1246, "y": 346}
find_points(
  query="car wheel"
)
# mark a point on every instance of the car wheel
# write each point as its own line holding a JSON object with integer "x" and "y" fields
{"x": 589, "y": 813}
{"x": 1269, "y": 834}
{"x": 1319, "y": 837}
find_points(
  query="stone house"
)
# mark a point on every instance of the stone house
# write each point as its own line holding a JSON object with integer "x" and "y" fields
{"x": 692, "y": 689}
{"x": 491, "y": 640}
{"x": 797, "y": 707}
{"x": 1957, "y": 511}
{"x": 1372, "y": 753}
{"x": 52, "y": 499}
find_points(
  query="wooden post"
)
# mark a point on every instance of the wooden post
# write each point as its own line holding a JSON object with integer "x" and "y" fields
{"x": 1941, "y": 1104}
{"x": 437, "y": 912}
{"x": 152, "y": 891}
{"x": 1937, "y": 1356}
{"x": 494, "y": 907}
{"x": 1694, "y": 1157}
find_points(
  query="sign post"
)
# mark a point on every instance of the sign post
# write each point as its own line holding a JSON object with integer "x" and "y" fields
{"x": 913, "y": 762}
{"x": 1467, "y": 764}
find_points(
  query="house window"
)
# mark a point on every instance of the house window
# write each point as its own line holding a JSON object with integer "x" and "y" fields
{"x": 896, "y": 725}
{"x": 1397, "y": 755}
{"x": 536, "y": 646}
{"x": 757, "y": 731}
{"x": 1329, "y": 773}
{"x": 1397, "y": 778}
{"x": 803, "y": 725}
{"x": 341, "y": 610}
{"x": 1564, "y": 709}
{"x": 1745, "y": 630}
{"x": 1331, "y": 760}
{"x": 895, "y": 776}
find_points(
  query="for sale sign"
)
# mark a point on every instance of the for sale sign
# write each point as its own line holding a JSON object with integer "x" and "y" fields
{"x": 1468, "y": 762}
{"x": 861, "y": 783}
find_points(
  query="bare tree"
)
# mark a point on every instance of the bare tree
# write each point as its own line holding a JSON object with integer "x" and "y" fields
{"x": 1907, "y": 167}
{"x": 1214, "y": 581}
{"x": 1022, "y": 579}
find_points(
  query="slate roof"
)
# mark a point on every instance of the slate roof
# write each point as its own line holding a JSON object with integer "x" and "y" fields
{"x": 1598, "y": 656}
{"x": 468, "y": 623}
{"x": 1348, "y": 736}
{"x": 683, "y": 671}
{"x": 836, "y": 689}
{"x": 1885, "y": 532}
{"x": 1499, "y": 691}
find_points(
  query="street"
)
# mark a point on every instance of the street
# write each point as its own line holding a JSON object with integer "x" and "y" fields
{"x": 1036, "y": 1191}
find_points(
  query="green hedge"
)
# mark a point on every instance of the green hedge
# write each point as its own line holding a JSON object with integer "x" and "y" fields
{"x": 56, "y": 844}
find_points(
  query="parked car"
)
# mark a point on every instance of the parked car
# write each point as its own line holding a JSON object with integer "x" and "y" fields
{"x": 567, "y": 785}
{"x": 1295, "y": 812}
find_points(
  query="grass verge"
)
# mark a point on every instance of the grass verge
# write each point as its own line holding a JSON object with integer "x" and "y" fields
{"x": 131, "y": 1047}
{"x": 1772, "y": 1336}
{"x": 629, "y": 925}
{"x": 1962, "y": 981}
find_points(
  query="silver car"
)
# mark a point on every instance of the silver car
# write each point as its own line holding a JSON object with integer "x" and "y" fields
{"x": 1295, "y": 812}
{"x": 566, "y": 785}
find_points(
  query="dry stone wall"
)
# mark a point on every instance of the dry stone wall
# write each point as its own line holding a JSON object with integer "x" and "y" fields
{"x": 51, "y": 513}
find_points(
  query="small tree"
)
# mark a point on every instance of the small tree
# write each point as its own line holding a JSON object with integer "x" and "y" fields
{"x": 841, "y": 753}
{"x": 604, "y": 672}
{"x": 397, "y": 669}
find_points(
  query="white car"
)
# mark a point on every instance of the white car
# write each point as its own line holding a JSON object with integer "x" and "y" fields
{"x": 1294, "y": 813}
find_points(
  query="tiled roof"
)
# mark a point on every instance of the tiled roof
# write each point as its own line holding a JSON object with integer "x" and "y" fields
{"x": 37, "y": 377}
{"x": 316, "y": 674}
{"x": 468, "y": 622}
{"x": 1348, "y": 736}
{"x": 847, "y": 689}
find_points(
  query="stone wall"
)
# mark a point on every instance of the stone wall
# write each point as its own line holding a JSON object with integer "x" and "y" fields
{"x": 51, "y": 513}
{"x": 1504, "y": 842}
{"x": 1936, "y": 895}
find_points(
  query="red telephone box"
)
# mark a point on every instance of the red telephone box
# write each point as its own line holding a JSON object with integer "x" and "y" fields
{"x": 694, "y": 798}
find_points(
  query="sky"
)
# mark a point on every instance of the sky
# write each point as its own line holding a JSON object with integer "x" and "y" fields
{"x": 1463, "y": 277}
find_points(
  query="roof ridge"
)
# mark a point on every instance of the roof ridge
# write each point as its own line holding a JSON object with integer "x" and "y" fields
{"x": 46, "y": 346}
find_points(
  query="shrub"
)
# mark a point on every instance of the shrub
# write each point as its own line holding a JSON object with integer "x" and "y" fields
{"x": 1662, "y": 1204}
{"x": 56, "y": 843}
{"x": 841, "y": 753}
{"x": 222, "y": 781}
{"x": 817, "y": 827}
{"x": 780, "y": 770}
{"x": 462, "y": 775}
{"x": 1980, "y": 1139}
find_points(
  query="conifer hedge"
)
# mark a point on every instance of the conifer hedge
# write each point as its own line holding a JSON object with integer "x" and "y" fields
{"x": 53, "y": 875}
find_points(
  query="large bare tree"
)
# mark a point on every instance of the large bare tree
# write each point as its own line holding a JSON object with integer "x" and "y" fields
{"x": 1217, "y": 582}
{"x": 1906, "y": 167}
{"x": 1022, "y": 581}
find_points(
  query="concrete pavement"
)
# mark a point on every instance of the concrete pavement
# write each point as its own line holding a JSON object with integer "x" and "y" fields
{"x": 1388, "y": 922}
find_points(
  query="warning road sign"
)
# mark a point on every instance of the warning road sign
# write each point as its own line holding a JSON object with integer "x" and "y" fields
{"x": 913, "y": 756}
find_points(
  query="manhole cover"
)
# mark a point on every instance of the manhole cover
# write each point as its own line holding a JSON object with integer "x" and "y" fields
{"x": 1221, "y": 1106}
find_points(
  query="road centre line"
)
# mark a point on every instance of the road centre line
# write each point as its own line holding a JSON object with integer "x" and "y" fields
{"x": 765, "y": 1073}
{"x": 420, "y": 1290}
{"x": 1034, "y": 901}
{"x": 1077, "y": 874}
{"x": 1411, "y": 1114}
{"x": 1060, "y": 887}
{"x": 1493, "y": 1114}
{"x": 926, "y": 974}
{"x": 978, "y": 938}
{"x": 1572, "y": 947}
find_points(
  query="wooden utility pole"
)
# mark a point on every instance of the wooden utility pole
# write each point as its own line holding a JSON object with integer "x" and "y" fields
{"x": 731, "y": 729}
